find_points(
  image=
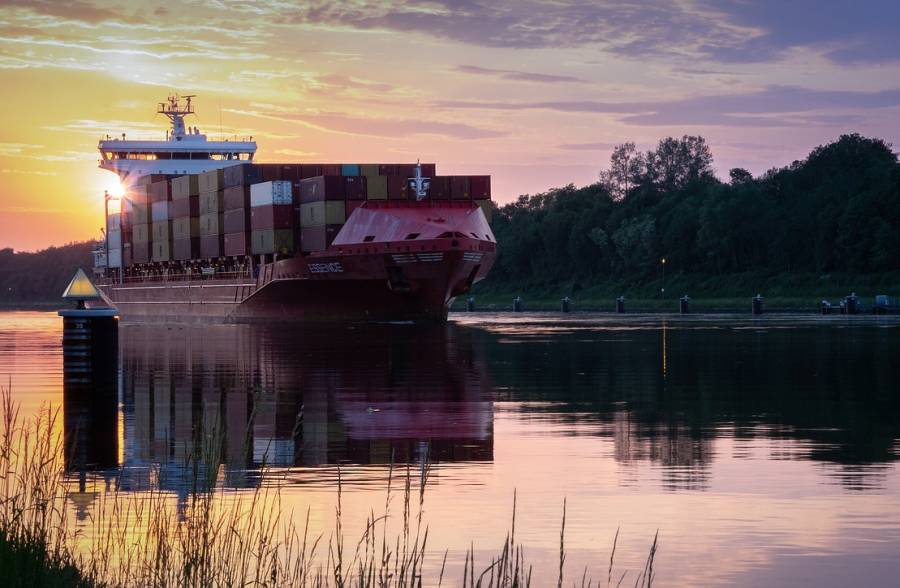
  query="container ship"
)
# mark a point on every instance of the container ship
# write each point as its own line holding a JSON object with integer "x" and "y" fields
{"x": 204, "y": 233}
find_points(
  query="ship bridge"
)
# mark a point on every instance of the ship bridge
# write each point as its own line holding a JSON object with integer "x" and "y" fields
{"x": 185, "y": 149}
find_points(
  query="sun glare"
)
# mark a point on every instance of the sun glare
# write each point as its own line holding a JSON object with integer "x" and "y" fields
{"x": 115, "y": 188}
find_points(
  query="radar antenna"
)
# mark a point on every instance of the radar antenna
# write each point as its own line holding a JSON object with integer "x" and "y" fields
{"x": 176, "y": 111}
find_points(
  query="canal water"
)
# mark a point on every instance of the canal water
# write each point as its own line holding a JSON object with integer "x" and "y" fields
{"x": 763, "y": 451}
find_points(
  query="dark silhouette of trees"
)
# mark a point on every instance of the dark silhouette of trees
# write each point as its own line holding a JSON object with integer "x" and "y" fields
{"x": 836, "y": 211}
{"x": 27, "y": 278}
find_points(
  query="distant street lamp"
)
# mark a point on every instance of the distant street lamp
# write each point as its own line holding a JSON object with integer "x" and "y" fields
{"x": 662, "y": 291}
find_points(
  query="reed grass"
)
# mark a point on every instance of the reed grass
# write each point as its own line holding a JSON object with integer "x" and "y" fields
{"x": 223, "y": 538}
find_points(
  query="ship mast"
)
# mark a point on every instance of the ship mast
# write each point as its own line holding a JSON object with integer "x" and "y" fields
{"x": 176, "y": 112}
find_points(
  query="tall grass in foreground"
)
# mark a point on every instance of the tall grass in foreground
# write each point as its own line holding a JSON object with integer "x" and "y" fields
{"x": 221, "y": 538}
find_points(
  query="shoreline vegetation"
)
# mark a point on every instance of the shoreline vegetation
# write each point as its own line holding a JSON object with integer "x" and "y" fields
{"x": 219, "y": 538}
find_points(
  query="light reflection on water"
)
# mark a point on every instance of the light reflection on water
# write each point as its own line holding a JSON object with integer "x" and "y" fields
{"x": 763, "y": 449}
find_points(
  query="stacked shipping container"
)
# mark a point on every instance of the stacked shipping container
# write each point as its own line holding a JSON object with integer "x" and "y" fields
{"x": 263, "y": 209}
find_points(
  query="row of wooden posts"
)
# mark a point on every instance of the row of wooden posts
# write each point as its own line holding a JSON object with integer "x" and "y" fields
{"x": 847, "y": 305}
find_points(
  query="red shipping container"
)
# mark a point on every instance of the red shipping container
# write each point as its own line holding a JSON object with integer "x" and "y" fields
{"x": 184, "y": 249}
{"x": 290, "y": 172}
{"x": 140, "y": 252}
{"x": 429, "y": 170}
{"x": 269, "y": 172}
{"x": 331, "y": 169}
{"x": 351, "y": 206}
{"x": 185, "y": 207}
{"x": 318, "y": 238}
{"x": 440, "y": 188}
{"x": 276, "y": 216}
{"x": 310, "y": 170}
{"x": 160, "y": 191}
{"x": 237, "y": 221}
{"x": 405, "y": 170}
{"x": 236, "y": 197}
{"x": 237, "y": 244}
{"x": 398, "y": 188}
{"x": 355, "y": 187}
{"x": 386, "y": 169}
{"x": 211, "y": 246}
{"x": 480, "y": 187}
{"x": 322, "y": 188}
{"x": 459, "y": 187}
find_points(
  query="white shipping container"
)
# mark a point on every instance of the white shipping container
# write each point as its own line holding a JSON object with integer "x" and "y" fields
{"x": 115, "y": 257}
{"x": 114, "y": 238}
{"x": 160, "y": 211}
{"x": 113, "y": 221}
{"x": 268, "y": 193}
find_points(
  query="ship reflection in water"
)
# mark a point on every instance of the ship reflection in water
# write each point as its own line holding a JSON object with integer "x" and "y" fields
{"x": 251, "y": 396}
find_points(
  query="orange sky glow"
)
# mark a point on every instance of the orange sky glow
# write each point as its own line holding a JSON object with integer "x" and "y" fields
{"x": 533, "y": 93}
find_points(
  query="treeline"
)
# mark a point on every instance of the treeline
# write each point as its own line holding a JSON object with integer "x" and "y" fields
{"x": 29, "y": 278}
{"x": 836, "y": 211}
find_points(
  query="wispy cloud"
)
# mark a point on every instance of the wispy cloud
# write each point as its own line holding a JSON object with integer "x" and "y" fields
{"x": 771, "y": 106}
{"x": 27, "y": 172}
{"x": 348, "y": 124}
{"x": 515, "y": 75}
{"x": 586, "y": 146}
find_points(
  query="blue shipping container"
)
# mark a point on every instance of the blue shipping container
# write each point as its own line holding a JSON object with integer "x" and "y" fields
{"x": 349, "y": 169}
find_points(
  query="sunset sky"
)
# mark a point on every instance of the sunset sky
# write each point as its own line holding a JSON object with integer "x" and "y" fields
{"x": 534, "y": 93}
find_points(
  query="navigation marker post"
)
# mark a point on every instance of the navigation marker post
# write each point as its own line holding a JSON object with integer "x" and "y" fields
{"x": 90, "y": 345}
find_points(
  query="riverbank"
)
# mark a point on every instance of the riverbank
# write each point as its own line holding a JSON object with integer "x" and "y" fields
{"x": 725, "y": 293}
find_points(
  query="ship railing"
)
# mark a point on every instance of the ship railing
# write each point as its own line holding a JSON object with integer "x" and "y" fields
{"x": 189, "y": 277}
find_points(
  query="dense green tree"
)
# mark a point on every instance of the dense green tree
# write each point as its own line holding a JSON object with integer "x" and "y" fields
{"x": 836, "y": 211}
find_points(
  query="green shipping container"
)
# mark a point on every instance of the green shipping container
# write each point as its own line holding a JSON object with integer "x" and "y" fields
{"x": 268, "y": 241}
{"x": 326, "y": 212}
{"x": 368, "y": 169}
{"x": 212, "y": 224}
{"x": 212, "y": 202}
{"x": 376, "y": 187}
{"x": 185, "y": 228}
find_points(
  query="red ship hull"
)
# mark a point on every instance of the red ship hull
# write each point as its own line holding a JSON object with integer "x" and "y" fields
{"x": 391, "y": 261}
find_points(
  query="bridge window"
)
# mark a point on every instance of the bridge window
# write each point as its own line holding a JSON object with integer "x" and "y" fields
{"x": 369, "y": 238}
{"x": 412, "y": 236}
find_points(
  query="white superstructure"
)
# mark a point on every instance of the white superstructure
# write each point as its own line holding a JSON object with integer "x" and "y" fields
{"x": 184, "y": 151}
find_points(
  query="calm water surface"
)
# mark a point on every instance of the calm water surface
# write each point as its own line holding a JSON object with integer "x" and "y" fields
{"x": 764, "y": 451}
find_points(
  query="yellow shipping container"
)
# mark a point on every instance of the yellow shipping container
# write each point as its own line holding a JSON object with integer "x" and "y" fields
{"x": 212, "y": 224}
{"x": 140, "y": 214}
{"x": 368, "y": 169}
{"x": 162, "y": 251}
{"x": 327, "y": 212}
{"x": 141, "y": 233}
{"x": 211, "y": 181}
{"x": 185, "y": 186}
{"x": 212, "y": 202}
{"x": 162, "y": 231}
{"x": 185, "y": 228}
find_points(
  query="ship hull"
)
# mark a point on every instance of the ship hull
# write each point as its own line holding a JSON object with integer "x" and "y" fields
{"x": 351, "y": 281}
